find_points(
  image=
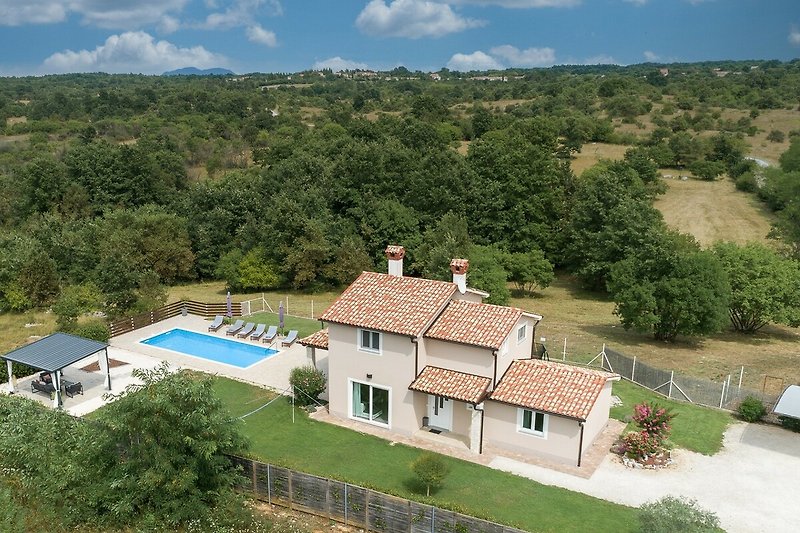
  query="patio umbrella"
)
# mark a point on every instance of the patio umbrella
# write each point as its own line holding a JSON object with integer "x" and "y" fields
{"x": 280, "y": 316}
{"x": 229, "y": 305}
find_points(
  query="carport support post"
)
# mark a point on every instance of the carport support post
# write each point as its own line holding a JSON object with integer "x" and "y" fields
{"x": 102, "y": 360}
{"x": 11, "y": 389}
{"x": 57, "y": 384}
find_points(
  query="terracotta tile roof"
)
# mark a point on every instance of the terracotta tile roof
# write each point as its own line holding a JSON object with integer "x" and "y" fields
{"x": 396, "y": 304}
{"x": 475, "y": 323}
{"x": 551, "y": 387}
{"x": 317, "y": 339}
{"x": 451, "y": 384}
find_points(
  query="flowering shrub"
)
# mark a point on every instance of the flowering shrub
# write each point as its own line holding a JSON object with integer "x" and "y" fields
{"x": 307, "y": 383}
{"x": 638, "y": 444}
{"x": 653, "y": 420}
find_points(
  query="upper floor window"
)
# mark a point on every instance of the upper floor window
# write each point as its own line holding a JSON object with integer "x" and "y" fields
{"x": 369, "y": 341}
{"x": 522, "y": 331}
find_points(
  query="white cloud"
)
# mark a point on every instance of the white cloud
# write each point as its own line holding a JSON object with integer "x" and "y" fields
{"x": 168, "y": 24}
{"x": 531, "y": 57}
{"x": 651, "y": 57}
{"x": 600, "y": 59}
{"x": 103, "y": 13}
{"x": 518, "y": 4}
{"x": 794, "y": 36}
{"x": 637, "y": 2}
{"x": 135, "y": 52}
{"x": 475, "y": 61}
{"x": 412, "y": 19}
{"x": 240, "y": 13}
{"x": 337, "y": 63}
{"x": 257, "y": 34}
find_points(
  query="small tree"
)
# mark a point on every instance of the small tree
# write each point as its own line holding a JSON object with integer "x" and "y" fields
{"x": 529, "y": 271}
{"x": 431, "y": 470}
{"x": 307, "y": 383}
{"x": 671, "y": 514}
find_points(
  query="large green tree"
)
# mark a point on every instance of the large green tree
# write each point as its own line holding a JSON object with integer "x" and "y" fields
{"x": 671, "y": 288}
{"x": 765, "y": 287}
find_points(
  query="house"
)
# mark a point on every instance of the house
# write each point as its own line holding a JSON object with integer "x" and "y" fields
{"x": 411, "y": 354}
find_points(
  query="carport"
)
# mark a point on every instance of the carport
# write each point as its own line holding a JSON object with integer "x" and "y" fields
{"x": 789, "y": 402}
{"x": 54, "y": 353}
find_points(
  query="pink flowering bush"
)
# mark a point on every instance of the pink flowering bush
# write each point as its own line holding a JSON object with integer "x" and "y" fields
{"x": 654, "y": 427}
{"x": 654, "y": 420}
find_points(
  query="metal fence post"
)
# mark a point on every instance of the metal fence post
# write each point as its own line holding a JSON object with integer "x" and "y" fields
{"x": 741, "y": 375}
{"x": 722, "y": 395}
{"x": 633, "y": 369}
{"x": 671, "y": 377}
{"x": 269, "y": 486}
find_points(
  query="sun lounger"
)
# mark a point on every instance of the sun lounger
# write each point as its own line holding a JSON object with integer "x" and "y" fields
{"x": 258, "y": 332}
{"x": 39, "y": 386}
{"x": 234, "y": 328}
{"x": 216, "y": 324}
{"x": 290, "y": 338}
{"x": 248, "y": 329}
{"x": 270, "y": 335}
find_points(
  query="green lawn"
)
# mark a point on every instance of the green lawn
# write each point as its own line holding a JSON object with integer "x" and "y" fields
{"x": 332, "y": 451}
{"x": 695, "y": 427}
{"x": 304, "y": 326}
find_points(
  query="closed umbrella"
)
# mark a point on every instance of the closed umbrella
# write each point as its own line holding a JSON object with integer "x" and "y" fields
{"x": 280, "y": 316}
{"x": 229, "y": 305}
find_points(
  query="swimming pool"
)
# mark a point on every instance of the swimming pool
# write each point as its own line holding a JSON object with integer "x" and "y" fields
{"x": 209, "y": 347}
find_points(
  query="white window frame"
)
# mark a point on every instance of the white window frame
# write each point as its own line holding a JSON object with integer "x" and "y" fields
{"x": 352, "y": 416}
{"x": 531, "y": 431}
{"x": 369, "y": 349}
{"x": 523, "y": 329}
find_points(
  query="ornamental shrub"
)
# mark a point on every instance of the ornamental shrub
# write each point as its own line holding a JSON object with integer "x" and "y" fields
{"x": 654, "y": 420}
{"x": 430, "y": 469}
{"x": 790, "y": 423}
{"x": 751, "y": 409}
{"x": 307, "y": 383}
{"x": 671, "y": 514}
{"x": 638, "y": 444}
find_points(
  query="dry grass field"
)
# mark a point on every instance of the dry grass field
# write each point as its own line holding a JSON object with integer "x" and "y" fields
{"x": 591, "y": 153}
{"x": 17, "y": 329}
{"x": 784, "y": 120}
{"x": 713, "y": 211}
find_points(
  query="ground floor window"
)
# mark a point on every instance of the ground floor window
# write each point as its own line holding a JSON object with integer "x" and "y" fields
{"x": 370, "y": 402}
{"x": 533, "y": 422}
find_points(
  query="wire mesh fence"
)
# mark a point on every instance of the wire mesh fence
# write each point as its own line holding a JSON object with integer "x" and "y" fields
{"x": 353, "y": 505}
{"x": 292, "y": 306}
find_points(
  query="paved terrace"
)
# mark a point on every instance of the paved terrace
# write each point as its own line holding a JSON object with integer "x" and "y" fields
{"x": 126, "y": 354}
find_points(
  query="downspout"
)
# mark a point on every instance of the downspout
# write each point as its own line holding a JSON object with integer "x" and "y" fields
{"x": 580, "y": 444}
{"x": 494, "y": 379}
{"x": 533, "y": 341}
{"x": 416, "y": 356}
{"x": 480, "y": 439}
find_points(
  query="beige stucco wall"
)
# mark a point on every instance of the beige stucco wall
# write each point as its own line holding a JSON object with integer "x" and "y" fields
{"x": 393, "y": 369}
{"x": 560, "y": 444}
{"x": 512, "y": 349}
{"x": 460, "y": 357}
{"x": 468, "y": 296}
{"x": 598, "y": 417}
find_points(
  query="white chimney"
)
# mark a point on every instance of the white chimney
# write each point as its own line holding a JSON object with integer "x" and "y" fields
{"x": 459, "y": 269}
{"x": 395, "y": 255}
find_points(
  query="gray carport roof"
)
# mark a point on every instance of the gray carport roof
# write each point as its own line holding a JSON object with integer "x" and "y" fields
{"x": 55, "y": 351}
{"x": 789, "y": 402}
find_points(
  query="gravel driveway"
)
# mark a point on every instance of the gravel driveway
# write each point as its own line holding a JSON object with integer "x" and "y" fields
{"x": 753, "y": 483}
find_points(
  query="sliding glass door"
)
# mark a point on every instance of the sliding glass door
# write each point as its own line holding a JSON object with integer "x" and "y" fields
{"x": 370, "y": 402}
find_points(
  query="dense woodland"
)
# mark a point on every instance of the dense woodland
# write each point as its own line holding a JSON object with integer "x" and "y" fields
{"x": 114, "y": 186}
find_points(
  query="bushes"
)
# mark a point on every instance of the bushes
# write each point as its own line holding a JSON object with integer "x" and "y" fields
{"x": 792, "y": 424}
{"x": 751, "y": 409}
{"x": 307, "y": 383}
{"x": 671, "y": 514}
{"x": 430, "y": 470}
{"x": 654, "y": 424}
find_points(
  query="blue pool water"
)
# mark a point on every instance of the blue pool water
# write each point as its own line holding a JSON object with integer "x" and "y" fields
{"x": 209, "y": 347}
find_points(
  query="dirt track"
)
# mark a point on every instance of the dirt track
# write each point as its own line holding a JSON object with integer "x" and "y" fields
{"x": 713, "y": 210}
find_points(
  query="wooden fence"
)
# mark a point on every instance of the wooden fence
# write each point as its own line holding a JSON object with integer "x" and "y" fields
{"x": 353, "y": 505}
{"x": 206, "y": 310}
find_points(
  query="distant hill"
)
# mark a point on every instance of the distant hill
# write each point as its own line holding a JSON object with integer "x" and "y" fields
{"x": 193, "y": 71}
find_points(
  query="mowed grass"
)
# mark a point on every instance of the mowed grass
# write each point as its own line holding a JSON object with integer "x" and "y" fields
{"x": 332, "y": 451}
{"x": 696, "y": 428}
{"x": 304, "y": 326}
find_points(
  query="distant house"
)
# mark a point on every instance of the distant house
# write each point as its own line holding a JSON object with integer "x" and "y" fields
{"x": 664, "y": 71}
{"x": 411, "y": 354}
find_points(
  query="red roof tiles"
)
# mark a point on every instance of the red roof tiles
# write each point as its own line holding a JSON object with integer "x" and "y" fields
{"x": 395, "y": 304}
{"x": 451, "y": 384}
{"x": 317, "y": 339}
{"x": 551, "y": 387}
{"x": 474, "y": 323}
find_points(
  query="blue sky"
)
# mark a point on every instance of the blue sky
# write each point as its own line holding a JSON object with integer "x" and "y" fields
{"x": 151, "y": 36}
